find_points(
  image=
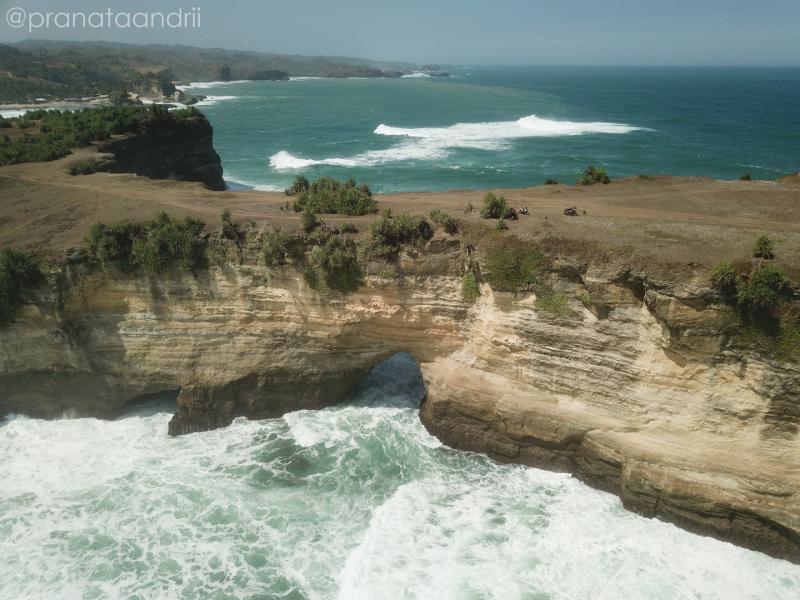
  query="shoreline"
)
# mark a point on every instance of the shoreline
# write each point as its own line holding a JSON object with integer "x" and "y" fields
{"x": 505, "y": 378}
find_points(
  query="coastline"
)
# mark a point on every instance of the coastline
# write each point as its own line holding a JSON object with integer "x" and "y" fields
{"x": 634, "y": 270}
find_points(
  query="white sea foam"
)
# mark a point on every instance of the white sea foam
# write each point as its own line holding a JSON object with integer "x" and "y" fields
{"x": 415, "y": 75}
{"x": 202, "y": 85}
{"x": 235, "y": 184}
{"x": 212, "y": 100}
{"x": 354, "y": 502}
{"x": 435, "y": 143}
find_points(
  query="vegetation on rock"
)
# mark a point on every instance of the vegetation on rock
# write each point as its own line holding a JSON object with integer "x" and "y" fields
{"x": 760, "y": 294}
{"x": 470, "y": 290}
{"x": 337, "y": 261}
{"x": 551, "y": 301}
{"x": 445, "y": 221}
{"x": 767, "y": 319}
{"x": 725, "y": 279}
{"x": 514, "y": 266}
{"x": 152, "y": 246}
{"x": 19, "y": 275}
{"x": 278, "y": 246}
{"x": 392, "y": 231}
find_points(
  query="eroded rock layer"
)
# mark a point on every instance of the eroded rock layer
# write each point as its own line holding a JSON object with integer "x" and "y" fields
{"x": 632, "y": 386}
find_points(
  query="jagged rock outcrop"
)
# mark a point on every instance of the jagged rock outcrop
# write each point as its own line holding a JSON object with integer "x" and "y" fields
{"x": 635, "y": 388}
{"x": 177, "y": 149}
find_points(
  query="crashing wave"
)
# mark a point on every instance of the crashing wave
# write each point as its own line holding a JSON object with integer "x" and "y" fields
{"x": 434, "y": 143}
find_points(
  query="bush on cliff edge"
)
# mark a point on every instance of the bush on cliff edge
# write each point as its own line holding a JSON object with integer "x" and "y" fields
{"x": 19, "y": 275}
{"x": 152, "y": 246}
{"x": 514, "y": 266}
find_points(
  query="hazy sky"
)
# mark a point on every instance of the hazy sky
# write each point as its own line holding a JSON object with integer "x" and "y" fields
{"x": 625, "y": 32}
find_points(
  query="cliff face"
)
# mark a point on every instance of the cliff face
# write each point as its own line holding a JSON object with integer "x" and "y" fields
{"x": 181, "y": 150}
{"x": 633, "y": 387}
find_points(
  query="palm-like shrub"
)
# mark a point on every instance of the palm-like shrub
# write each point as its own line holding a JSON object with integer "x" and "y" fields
{"x": 329, "y": 196}
{"x": 337, "y": 261}
{"x": 761, "y": 294}
{"x": 764, "y": 248}
{"x": 725, "y": 279}
{"x": 445, "y": 221}
{"x": 389, "y": 233}
{"x": 494, "y": 207}
{"x": 593, "y": 175}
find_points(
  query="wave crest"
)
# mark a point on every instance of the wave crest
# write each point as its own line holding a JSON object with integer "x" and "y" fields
{"x": 434, "y": 143}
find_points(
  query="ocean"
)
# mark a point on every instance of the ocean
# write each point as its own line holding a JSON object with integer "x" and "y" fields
{"x": 355, "y": 502}
{"x": 508, "y": 127}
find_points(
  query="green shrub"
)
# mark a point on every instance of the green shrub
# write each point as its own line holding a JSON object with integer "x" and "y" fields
{"x": 760, "y": 295}
{"x": 514, "y": 267}
{"x": 328, "y": 196}
{"x": 551, "y": 301}
{"x": 783, "y": 343}
{"x": 725, "y": 279}
{"x": 218, "y": 251}
{"x": 349, "y": 227}
{"x": 593, "y": 175}
{"x": 59, "y": 131}
{"x": 168, "y": 241}
{"x": 230, "y": 230}
{"x": 114, "y": 243}
{"x": 278, "y": 246}
{"x": 309, "y": 220}
{"x": 551, "y": 182}
{"x": 494, "y": 207}
{"x": 389, "y": 233}
{"x": 501, "y": 224}
{"x": 19, "y": 275}
{"x": 445, "y": 221}
{"x": 764, "y": 248}
{"x": 470, "y": 290}
{"x": 746, "y": 177}
{"x": 337, "y": 261}
{"x": 468, "y": 208}
{"x": 299, "y": 186}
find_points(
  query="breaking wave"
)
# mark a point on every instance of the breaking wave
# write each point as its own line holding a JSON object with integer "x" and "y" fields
{"x": 435, "y": 143}
{"x": 356, "y": 502}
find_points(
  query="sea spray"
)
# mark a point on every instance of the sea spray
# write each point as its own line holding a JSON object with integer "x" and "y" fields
{"x": 352, "y": 502}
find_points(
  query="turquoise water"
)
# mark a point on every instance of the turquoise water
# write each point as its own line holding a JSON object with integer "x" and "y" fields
{"x": 509, "y": 127}
{"x": 353, "y": 502}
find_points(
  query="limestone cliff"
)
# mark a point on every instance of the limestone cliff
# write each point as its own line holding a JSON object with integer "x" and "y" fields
{"x": 635, "y": 387}
{"x": 177, "y": 149}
